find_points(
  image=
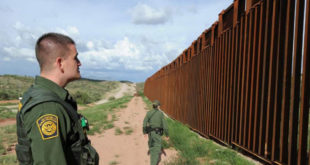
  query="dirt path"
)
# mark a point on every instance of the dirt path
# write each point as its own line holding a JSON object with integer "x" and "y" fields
{"x": 7, "y": 122}
{"x": 118, "y": 93}
{"x": 126, "y": 149}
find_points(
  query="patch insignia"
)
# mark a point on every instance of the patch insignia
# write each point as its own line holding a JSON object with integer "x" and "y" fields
{"x": 48, "y": 126}
{"x": 20, "y": 105}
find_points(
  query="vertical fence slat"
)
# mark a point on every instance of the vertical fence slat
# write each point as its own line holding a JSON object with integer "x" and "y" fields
{"x": 252, "y": 114}
{"x": 262, "y": 128}
{"x": 305, "y": 94}
{"x": 295, "y": 93}
{"x": 259, "y": 78}
{"x": 287, "y": 81}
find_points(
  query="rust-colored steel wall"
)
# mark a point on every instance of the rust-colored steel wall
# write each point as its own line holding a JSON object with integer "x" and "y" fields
{"x": 245, "y": 81}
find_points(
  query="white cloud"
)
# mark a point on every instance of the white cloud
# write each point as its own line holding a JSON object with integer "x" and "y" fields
{"x": 73, "y": 30}
{"x": 20, "y": 53}
{"x": 127, "y": 55}
{"x": 6, "y": 59}
{"x": 144, "y": 14}
{"x": 69, "y": 30}
{"x": 90, "y": 45}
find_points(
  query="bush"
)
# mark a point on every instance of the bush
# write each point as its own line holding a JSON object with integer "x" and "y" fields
{"x": 81, "y": 97}
{"x": 111, "y": 98}
{"x": 4, "y": 96}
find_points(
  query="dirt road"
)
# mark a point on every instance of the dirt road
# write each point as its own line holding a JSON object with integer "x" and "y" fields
{"x": 125, "y": 149}
{"x": 124, "y": 89}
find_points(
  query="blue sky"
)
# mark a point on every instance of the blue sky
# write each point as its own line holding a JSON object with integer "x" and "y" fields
{"x": 116, "y": 39}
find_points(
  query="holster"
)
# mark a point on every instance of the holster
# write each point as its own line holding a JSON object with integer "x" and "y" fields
{"x": 159, "y": 131}
{"x": 148, "y": 129}
{"x": 84, "y": 153}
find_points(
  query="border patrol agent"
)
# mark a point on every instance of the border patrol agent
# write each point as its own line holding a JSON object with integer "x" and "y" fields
{"x": 49, "y": 129}
{"x": 154, "y": 124}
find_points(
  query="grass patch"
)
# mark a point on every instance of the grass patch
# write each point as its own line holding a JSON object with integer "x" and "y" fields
{"x": 7, "y": 104}
{"x": 166, "y": 144}
{"x": 118, "y": 131}
{"x": 140, "y": 88}
{"x": 12, "y": 86}
{"x": 98, "y": 115}
{"x": 8, "y": 138}
{"x": 111, "y": 98}
{"x": 126, "y": 122}
{"x": 86, "y": 91}
{"x": 113, "y": 162}
{"x": 128, "y": 130}
{"x": 6, "y": 113}
{"x": 196, "y": 150}
{"x": 146, "y": 101}
{"x": 123, "y": 106}
{"x": 8, "y": 159}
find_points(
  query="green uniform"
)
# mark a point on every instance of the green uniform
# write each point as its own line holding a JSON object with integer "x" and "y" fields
{"x": 55, "y": 134}
{"x": 155, "y": 119}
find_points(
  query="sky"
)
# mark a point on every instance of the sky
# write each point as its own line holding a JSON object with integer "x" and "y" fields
{"x": 116, "y": 39}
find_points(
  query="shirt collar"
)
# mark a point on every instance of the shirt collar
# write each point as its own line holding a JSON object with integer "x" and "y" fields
{"x": 50, "y": 85}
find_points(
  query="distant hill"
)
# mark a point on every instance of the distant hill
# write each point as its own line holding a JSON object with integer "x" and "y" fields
{"x": 84, "y": 90}
{"x": 125, "y": 81}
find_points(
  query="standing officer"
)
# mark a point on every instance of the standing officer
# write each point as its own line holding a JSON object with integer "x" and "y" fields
{"x": 49, "y": 129}
{"x": 154, "y": 124}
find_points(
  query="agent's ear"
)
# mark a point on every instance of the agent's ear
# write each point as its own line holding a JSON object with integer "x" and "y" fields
{"x": 59, "y": 64}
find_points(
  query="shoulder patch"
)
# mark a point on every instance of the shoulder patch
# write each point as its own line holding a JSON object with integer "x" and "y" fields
{"x": 48, "y": 126}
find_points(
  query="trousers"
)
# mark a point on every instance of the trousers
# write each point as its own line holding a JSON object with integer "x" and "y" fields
{"x": 154, "y": 147}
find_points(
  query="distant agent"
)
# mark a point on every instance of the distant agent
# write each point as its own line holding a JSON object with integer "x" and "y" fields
{"x": 154, "y": 124}
{"x": 49, "y": 129}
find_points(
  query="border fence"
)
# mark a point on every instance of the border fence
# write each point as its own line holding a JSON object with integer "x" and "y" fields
{"x": 245, "y": 81}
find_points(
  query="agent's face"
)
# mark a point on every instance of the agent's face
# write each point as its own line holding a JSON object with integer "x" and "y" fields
{"x": 72, "y": 64}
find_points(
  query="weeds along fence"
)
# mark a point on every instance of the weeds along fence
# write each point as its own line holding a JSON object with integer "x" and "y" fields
{"x": 245, "y": 80}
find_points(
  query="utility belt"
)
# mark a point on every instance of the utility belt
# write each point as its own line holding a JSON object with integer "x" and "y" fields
{"x": 159, "y": 131}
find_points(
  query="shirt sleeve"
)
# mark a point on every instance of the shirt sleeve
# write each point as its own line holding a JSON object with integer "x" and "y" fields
{"x": 48, "y": 133}
{"x": 165, "y": 125}
{"x": 145, "y": 123}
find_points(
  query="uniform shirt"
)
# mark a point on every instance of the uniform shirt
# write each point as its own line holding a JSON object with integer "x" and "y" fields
{"x": 49, "y": 149}
{"x": 156, "y": 119}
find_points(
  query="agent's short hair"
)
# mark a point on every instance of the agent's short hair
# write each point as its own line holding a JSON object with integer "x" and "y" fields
{"x": 50, "y": 46}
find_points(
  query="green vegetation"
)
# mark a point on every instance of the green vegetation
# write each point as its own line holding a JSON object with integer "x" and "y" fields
{"x": 111, "y": 98}
{"x": 147, "y": 102}
{"x": 113, "y": 162}
{"x": 8, "y": 159}
{"x": 98, "y": 115}
{"x": 7, "y": 104}
{"x": 6, "y": 113}
{"x": 118, "y": 131}
{"x": 12, "y": 86}
{"x": 84, "y": 91}
{"x": 88, "y": 91}
{"x": 128, "y": 130}
{"x": 140, "y": 88}
{"x": 7, "y": 139}
{"x": 195, "y": 150}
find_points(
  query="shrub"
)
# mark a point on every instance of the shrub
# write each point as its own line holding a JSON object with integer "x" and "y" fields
{"x": 4, "y": 96}
{"x": 81, "y": 97}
